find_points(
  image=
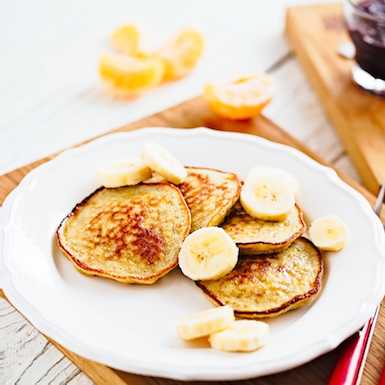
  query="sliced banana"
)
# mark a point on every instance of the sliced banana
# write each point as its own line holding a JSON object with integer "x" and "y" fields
{"x": 124, "y": 172}
{"x": 267, "y": 197}
{"x": 329, "y": 233}
{"x": 155, "y": 178}
{"x": 241, "y": 336}
{"x": 205, "y": 322}
{"x": 278, "y": 173}
{"x": 208, "y": 253}
{"x": 163, "y": 162}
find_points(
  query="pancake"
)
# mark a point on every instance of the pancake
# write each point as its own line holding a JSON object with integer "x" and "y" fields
{"x": 269, "y": 285}
{"x": 130, "y": 234}
{"x": 255, "y": 236}
{"x": 210, "y": 195}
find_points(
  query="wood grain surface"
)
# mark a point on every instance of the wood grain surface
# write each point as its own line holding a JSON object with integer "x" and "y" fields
{"x": 195, "y": 113}
{"x": 315, "y": 32}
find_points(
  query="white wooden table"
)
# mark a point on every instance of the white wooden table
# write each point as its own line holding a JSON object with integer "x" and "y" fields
{"x": 51, "y": 98}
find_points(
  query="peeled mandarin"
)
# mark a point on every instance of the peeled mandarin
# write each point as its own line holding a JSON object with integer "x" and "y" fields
{"x": 182, "y": 53}
{"x": 127, "y": 77}
{"x": 125, "y": 40}
{"x": 240, "y": 98}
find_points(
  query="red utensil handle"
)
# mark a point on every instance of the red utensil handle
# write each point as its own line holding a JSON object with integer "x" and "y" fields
{"x": 351, "y": 360}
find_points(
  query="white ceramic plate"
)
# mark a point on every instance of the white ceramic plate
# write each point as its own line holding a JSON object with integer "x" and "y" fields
{"x": 132, "y": 327}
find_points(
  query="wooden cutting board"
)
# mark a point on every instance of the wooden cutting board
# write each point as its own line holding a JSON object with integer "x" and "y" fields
{"x": 195, "y": 113}
{"x": 315, "y": 32}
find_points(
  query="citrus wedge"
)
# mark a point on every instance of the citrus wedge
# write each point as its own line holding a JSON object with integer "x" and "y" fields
{"x": 127, "y": 77}
{"x": 240, "y": 98}
{"x": 181, "y": 54}
{"x": 125, "y": 40}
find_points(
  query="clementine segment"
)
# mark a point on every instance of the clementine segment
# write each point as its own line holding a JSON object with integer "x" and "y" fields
{"x": 181, "y": 54}
{"x": 125, "y": 40}
{"x": 127, "y": 76}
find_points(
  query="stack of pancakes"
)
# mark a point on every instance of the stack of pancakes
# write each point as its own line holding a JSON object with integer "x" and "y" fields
{"x": 133, "y": 234}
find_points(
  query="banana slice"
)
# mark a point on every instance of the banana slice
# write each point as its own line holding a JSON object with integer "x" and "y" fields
{"x": 278, "y": 173}
{"x": 124, "y": 172}
{"x": 329, "y": 233}
{"x": 205, "y": 322}
{"x": 155, "y": 178}
{"x": 241, "y": 336}
{"x": 208, "y": 253}
{"x": 266, "y": 197}
{"x": 163, "y": 162}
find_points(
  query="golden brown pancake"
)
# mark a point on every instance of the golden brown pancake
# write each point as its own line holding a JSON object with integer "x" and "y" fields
{"x": 210, "y": 195}
{"x": 269, "y": 285}
{"x": 255, "y": 236}
{"x": 129, "y": 234}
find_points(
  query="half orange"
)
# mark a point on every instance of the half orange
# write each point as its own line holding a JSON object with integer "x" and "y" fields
{"x": 240, "y": 97}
